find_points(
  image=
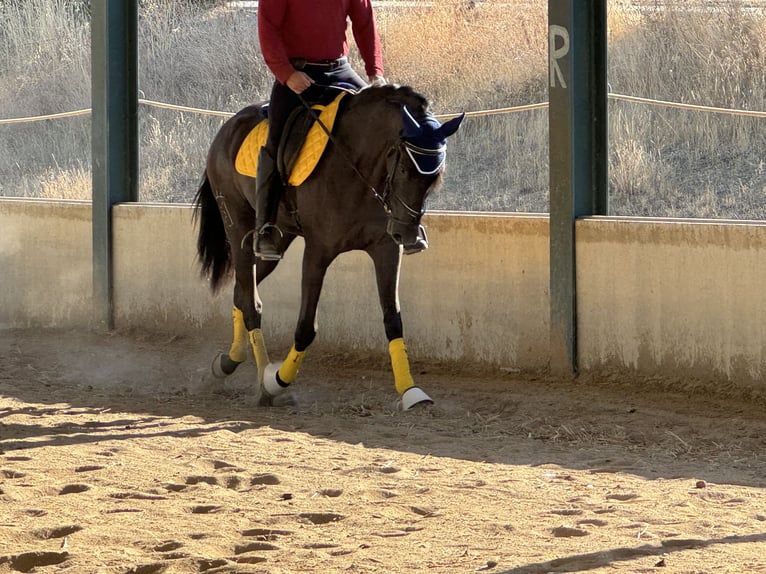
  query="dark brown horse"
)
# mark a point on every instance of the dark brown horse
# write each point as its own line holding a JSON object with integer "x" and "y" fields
{"x": 367, "y": 193}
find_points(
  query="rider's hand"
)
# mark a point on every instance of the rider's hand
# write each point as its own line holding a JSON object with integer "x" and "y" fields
{"x": 377, "y": 81}
{"x": 299, "y": 81}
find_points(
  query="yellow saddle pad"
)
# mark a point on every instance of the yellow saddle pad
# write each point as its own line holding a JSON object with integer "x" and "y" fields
{"x": 246, "y": 162}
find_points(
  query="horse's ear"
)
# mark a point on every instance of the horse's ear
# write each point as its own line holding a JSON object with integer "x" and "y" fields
{"x": 450, "y": 127}
{"x": 412, "y": 128}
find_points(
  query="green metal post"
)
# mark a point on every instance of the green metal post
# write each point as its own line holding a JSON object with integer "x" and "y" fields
{"x": 578, "y": 154}
{"x": 114, "y": 133}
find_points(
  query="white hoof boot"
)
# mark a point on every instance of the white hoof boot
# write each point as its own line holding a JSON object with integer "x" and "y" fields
{"x": 223, "y": 366}
{"x": 414, "y": 396}
{"x": 216, "y": 367}
{"x": 270, "y": 385}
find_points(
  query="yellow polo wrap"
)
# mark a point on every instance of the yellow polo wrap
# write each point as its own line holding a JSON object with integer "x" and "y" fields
{"x": 238, "y": 349}
{"x": 259, "y": 350}
{"x": 289, "y": 369}
{"x": 400, "y": 364}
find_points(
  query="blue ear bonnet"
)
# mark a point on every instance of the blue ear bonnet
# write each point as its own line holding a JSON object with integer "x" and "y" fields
{"x": 426, "y": 140}
{"x": 428, "y": 150}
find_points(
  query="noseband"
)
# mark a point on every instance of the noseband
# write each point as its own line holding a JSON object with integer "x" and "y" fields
{"x": 389, "y": 194}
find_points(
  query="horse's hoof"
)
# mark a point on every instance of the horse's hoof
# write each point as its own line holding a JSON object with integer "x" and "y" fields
{"x": 414, "y": 396}
{"x": 272, "y": 385}
{"x": 283, "y": 400}
{"x": 265, "y": 400}
{"x": 223, "y": 366}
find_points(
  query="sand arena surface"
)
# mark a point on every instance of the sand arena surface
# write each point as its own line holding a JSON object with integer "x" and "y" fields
{"x": 119, "y": 454}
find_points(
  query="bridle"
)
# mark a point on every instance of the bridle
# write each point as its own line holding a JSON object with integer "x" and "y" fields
{"x": 394, "y": 156}
{"x": 397, "y": 150}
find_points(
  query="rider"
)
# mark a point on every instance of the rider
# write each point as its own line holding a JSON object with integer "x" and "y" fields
{"x": 304, "y": 42}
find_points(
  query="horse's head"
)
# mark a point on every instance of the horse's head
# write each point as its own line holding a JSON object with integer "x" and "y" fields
{"x": 414, "y": 168}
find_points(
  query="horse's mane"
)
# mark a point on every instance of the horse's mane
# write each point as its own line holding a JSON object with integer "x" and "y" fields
{"x": 394, "y": 95}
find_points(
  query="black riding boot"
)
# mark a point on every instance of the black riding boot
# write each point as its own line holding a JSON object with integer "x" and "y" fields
{"x": 268, "y": 192}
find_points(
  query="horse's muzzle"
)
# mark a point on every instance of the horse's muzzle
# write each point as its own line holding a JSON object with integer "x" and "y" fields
{"x": 411, "y": 235}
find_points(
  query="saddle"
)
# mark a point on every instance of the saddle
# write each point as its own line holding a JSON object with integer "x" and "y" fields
{"x": 302, "y": 144}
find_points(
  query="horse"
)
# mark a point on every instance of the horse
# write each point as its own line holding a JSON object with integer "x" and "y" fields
{"x": 368, "y": 192}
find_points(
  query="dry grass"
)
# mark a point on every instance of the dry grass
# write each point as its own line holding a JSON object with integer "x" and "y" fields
{"x": 664, "y": 162}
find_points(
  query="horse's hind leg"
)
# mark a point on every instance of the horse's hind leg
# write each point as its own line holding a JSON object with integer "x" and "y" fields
{"x": 246, "y": 313}
{"x": 386, "y": 258}
{"x": 225, "y": 364}
{"x": 246, "y": 319}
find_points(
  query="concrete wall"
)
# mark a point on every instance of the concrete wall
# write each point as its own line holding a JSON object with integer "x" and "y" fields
{"x": 46, "y": 266}
{"x": 489, "y": 306}
{"x": 673, "y": 297}
{"x": 654, "y": 296}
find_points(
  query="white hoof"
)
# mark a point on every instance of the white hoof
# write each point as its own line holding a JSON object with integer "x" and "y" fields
{"x": 414, "y": 396}
{"x": 223, "y": 366}
{"x": 217, "y": 367}
{"x": 270, "y": 385}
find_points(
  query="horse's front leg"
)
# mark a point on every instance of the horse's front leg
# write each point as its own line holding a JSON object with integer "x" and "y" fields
{"x": 387, "y": 259}
{"x": 279, "y": 376}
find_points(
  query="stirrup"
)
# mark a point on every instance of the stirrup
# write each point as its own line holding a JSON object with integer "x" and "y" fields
{"x": 265, "y": 248}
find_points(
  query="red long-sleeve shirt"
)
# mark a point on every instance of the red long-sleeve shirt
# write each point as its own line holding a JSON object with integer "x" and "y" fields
{"x": 316, "y": 30}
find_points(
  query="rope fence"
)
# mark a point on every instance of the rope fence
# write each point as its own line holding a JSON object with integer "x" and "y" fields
{"x": 473, "y": 114}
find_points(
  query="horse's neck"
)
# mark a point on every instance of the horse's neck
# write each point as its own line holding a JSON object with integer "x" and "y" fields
{"x": 368, "y": 132}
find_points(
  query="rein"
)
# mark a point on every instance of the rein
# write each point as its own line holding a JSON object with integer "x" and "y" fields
{"x": 339, "y": 147}
{"x": 390, "y": 168}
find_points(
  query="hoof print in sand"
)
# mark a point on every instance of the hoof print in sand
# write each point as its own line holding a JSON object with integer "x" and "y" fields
{"x": 424, "y": 511}
{"x": 232, "y": 482}
{"x": 6, "y": 473}
{"x": 320, "y": 517}
{"x": 153, "y": 568}
{"x": 136, "y": 496}
{"x": 254, "y": 547}
{"x": 28, "y": 561}
{"x": 176, "y": 487}
{"x": 266, "y": 478}
{"x": 89, "y": 468}
{"x": 320, "y": 545}
{"x": 206, "y": 509}
{"x": 567, "y": 532}
{"x": 168, "y": 546}
{"x": 265, "y": 533}
{"x": 208, "y": 565}
{"x": 222, "y": 464}
{"x": 60, "y": 532}
{"x": 567, "y": 512}
{"x": 211, "y": 480}
{"x": 330, "y": 492}
{"x": 74, "y": 489}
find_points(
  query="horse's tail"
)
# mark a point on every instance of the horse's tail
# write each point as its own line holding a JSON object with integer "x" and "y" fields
{"x": 212, "y": 247}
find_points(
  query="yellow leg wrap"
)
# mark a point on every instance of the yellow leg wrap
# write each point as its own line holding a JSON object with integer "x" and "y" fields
{"x": 289, "y": 369}
{"x": 400, "y": 365}
{"x": 259, "y": 351}
{"x": 238, "y": 349}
